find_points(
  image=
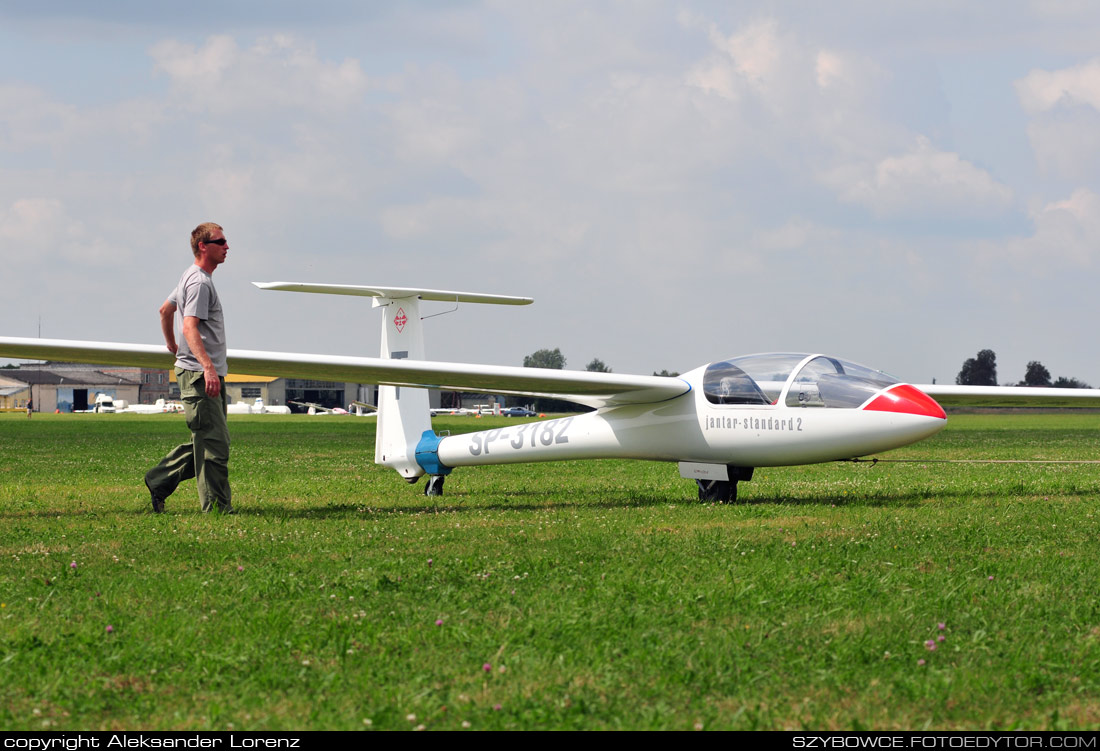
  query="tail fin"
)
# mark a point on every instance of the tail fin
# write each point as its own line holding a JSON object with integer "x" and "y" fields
{"x": 403, "y": 411}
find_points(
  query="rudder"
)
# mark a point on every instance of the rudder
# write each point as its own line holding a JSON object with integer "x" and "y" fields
{"x": 403, "y": 412}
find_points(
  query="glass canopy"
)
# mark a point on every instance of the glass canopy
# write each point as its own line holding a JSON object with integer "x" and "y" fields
{"x": 814, "y": 381}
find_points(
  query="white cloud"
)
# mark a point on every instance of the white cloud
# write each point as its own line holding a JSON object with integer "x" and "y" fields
{"x": 1067, "y": 144}
{"x": 277, "y": 72}
{"x": 754, "y": 52}
{"x": 1065, "y": 235}
{"x": 755, "y": 59}
{"x": 521, "y": 228}
{"x": 923, "y": 181}
{"x": 844, "y": 72}
{"x": 33, "y": 222}
{"x": 1042, "y": 90}
{"x": 806, "y": 107}
{"x": 44, "y": 231}
{"x": 437, "y": 117}
{"x": 830, "y": 68}
{"x": 31, "y": 119}
{"x": 1065, "y": 129}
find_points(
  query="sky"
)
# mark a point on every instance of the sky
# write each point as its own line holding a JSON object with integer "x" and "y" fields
{"x": 899, "y": 184}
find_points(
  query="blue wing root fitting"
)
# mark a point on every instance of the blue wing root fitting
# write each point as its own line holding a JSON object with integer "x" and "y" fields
{"x": 427, "y": 456}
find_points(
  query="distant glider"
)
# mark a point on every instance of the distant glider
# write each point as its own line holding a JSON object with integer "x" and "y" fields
{"x": 718, "y": 422}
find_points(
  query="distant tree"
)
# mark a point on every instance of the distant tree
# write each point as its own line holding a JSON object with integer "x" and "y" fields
{"x": 665, "y": 373}
{"x": 597, "y": 366}
{"x": 545, "y": 358}
{"x": 979, "y": 371}
{"x": 555, "y": 360}
{"x": 1036, "y": 375}
{"x": 1070, "y": 383}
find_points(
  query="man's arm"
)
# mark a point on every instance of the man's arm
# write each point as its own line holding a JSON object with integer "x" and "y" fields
{"x": 194, "y": 341}
{"x": 167, "y": 324}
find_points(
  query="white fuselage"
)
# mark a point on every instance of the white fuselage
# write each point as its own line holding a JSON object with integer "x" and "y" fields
{"x": 689, "y": 428}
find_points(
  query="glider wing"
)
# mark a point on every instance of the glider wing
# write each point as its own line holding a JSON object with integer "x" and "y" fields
{"x": 592, "y": 389}
{"x": 1010, "y": 396}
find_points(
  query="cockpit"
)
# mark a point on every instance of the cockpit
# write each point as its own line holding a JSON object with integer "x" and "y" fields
{"x": 800, "y": 380}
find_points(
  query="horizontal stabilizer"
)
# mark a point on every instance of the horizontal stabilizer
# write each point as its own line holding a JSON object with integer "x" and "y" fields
{"x": 394, "y": 292}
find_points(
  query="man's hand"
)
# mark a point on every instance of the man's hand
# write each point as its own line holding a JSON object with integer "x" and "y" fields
{"x": 213, "y": 385}
{"x": 167, "y": 325}
{"x": 198, "y": 349}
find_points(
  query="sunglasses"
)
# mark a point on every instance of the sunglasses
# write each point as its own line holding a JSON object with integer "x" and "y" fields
{"x": 223, "y": 241}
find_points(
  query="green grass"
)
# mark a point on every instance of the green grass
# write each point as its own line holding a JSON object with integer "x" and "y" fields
{"x": 600, "y": 594}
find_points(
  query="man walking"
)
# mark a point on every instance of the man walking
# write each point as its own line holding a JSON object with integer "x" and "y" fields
{"x": 200, "y": 372}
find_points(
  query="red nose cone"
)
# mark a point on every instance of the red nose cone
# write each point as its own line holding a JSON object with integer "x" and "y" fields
{"x": 909, "y": 400}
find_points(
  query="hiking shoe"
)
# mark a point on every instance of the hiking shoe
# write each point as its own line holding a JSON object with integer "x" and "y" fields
{"x": 158, "y": 502}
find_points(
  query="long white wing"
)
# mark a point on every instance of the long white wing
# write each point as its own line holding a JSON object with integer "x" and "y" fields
{"x": 592, "y": 389}
{"x": 1009, "y": 396}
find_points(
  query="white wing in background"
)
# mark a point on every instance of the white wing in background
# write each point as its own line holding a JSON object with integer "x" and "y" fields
{"x": 950, "y": 395}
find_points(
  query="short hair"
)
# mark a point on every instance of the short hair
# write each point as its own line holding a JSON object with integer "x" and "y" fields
{"x": 201, "y": 234}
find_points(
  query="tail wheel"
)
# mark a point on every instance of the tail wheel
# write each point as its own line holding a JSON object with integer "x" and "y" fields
{"x": 434, "y": 485}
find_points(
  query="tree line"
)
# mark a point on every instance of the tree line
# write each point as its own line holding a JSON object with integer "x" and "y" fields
{"x": 552, "y": 359}
{"x": 555, "y": 360}
{"x": 982, "y": 371}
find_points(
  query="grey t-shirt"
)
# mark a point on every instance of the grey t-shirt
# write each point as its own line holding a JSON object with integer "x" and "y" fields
{"x": 195, "y": 296}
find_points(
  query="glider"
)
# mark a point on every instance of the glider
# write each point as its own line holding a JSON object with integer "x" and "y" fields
{"x": 718, "y": 422}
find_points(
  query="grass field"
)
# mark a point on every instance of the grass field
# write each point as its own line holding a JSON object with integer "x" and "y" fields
{"x": 570, "y": 595}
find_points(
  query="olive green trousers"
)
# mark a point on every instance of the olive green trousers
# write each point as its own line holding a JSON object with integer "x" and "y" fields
{"x": 206, "y": 456}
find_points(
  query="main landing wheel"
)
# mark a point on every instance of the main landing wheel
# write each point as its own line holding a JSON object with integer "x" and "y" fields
{"x": 721, "y": 491}
{"x": 724, "y": 491}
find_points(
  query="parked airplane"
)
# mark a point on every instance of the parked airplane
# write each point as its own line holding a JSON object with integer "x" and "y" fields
{"x": 718, "y": 422}
{"x": 159, "y": 407}
{"x": 257, "y": 408}
{"x": 362, "y": 409}
{"x": 107, "y": 404}
{"x": 313, "y": 408}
